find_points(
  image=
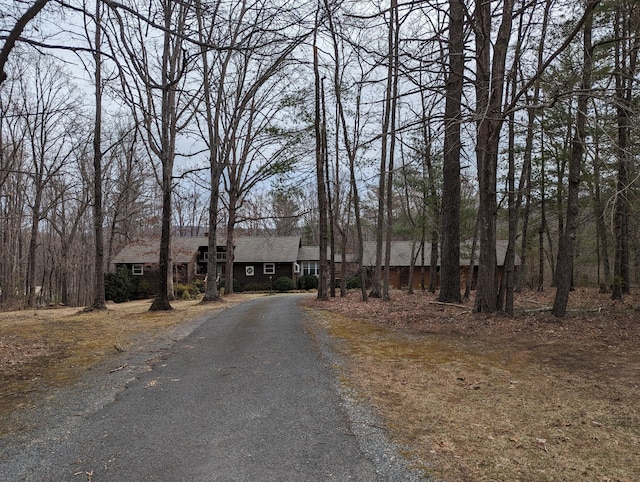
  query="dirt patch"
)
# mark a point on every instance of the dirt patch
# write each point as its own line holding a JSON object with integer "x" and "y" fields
{"x": 477, "y": 397}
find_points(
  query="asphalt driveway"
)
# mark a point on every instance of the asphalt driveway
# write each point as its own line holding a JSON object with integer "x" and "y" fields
{"x": 245, "y": 397}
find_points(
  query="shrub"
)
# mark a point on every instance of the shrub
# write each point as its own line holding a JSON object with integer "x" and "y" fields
{"x": 307, "y": 282}
{"x": 236, "y": 285}
{"x": 199, "y": 286}
{"x": 284, "y": 283}
{"x": 186, "y": 292}
{"x": 120, "y": 286}
{"x": 256, "y": 287}
{"x": 354, "y": 282}
{"x": 144, "y": 289}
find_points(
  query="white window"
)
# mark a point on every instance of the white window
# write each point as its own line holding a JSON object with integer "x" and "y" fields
{"x": 310, "y": 267}
{"x": 296, "y": 268}
{"x": 137, "y": 269}
{"x": 221, "y": 255}
{"x": 269, "y": 268}
{"x": 205, "y": 256}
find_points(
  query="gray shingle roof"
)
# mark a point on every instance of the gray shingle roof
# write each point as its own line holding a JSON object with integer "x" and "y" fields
{"x": 281, "y": 249}
{"x": 401, "y": 253}
{"x": 147, "y": 251}
{"x": 312, "y": 253}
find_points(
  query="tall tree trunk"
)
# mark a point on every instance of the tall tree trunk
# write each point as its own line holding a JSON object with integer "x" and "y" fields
{"x": 450, "y": 218}
{"x": 331, "y": 221}
{"x": 215, "y": 166}
{"x": 490, "y": 72}
{"x": 564, "y": 266}
{"x": 627, "y": 26}
{"x": 391, "y": 105}
{"x": 377, "y": 278}
{"x": 524, "y": 186}
{"x": 351, "y": 149}
{"x": 98, "y": 213}
{"x": 320, "y": 179}
{"x": 543, "y": 222}
{"x": 602, "y": 238}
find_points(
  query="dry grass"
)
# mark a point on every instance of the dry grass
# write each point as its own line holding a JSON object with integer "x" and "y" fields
{"x": 474, "y": 397}
{"x": 42, "y": 349}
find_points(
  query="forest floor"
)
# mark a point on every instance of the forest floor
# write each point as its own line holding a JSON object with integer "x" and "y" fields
{"x": 486, "y": 397}
{"x": 467, "y": 396}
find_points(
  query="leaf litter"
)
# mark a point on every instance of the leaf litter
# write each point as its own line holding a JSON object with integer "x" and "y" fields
{"x": 486, "y": 397}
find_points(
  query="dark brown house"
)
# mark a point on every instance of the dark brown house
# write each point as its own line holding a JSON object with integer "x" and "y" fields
{"x": 141, "y": 258}
{"x": 259, "y": 261}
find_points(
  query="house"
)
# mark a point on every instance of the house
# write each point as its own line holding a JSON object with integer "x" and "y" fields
{"x": 141, "y": 258}
{"x": 402, "y": 253}
{"x": 258, "y": 261}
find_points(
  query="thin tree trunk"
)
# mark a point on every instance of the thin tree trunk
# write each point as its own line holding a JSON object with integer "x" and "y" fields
{"x": 391, "y": 104}
{"x": 351, "y": 153}
{"x": 627, "y": 26}
{"x": 564, "y": 266}
{"x": 472, "y": 261}
{"x": 98, "y": 213}
{"x": 320, "y": 178}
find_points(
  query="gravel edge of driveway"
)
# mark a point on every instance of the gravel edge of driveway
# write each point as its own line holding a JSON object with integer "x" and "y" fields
{"x": 365, "y": 426}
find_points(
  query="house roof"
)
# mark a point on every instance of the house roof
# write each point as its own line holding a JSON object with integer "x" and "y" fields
{"x": 283, "y": 249}
{"x": 146, "y": 251}
{"x": 312, "y": 253}
{"x": 280, "y": 249}
{"x": 401, "y": 253}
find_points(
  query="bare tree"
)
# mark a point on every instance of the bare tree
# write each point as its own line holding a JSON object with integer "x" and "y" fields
{"x": 49, "y": 124}
{"x": 627, "y": 30}
{"x": 566, "y": 251}
{"x": 98, "y": 212}
{"x": 351, "y": 137}
{"x": 320, "y": 175}
{"x": 159, "y": 97}
{"x": 15, "y": 32}
{"x": 450, "y": 218}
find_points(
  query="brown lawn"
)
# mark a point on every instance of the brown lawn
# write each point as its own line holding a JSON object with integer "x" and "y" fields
{"x": 477, "y": 397}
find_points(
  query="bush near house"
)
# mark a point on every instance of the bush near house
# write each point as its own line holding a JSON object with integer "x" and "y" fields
{"x": 284, "y": 283}
{"x": 237, "y": 288}
{"x": 186, "y": 292}
{"x": 354, "y": 282}
{"x": 307, "y": 282}
{"x": 143, "y": 289}
{"x": 256, "y": 287}
{"x": 120, "y": 286}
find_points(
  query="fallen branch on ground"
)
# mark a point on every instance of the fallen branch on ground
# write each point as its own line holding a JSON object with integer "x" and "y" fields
{"x": 448, "y": 304}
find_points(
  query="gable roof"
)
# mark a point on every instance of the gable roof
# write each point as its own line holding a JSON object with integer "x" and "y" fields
{"x": 277, "y": 249}
{"x": 401, "y": 253}
{"x": 312, "y": 253}
{"x": 147, "y": 250}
